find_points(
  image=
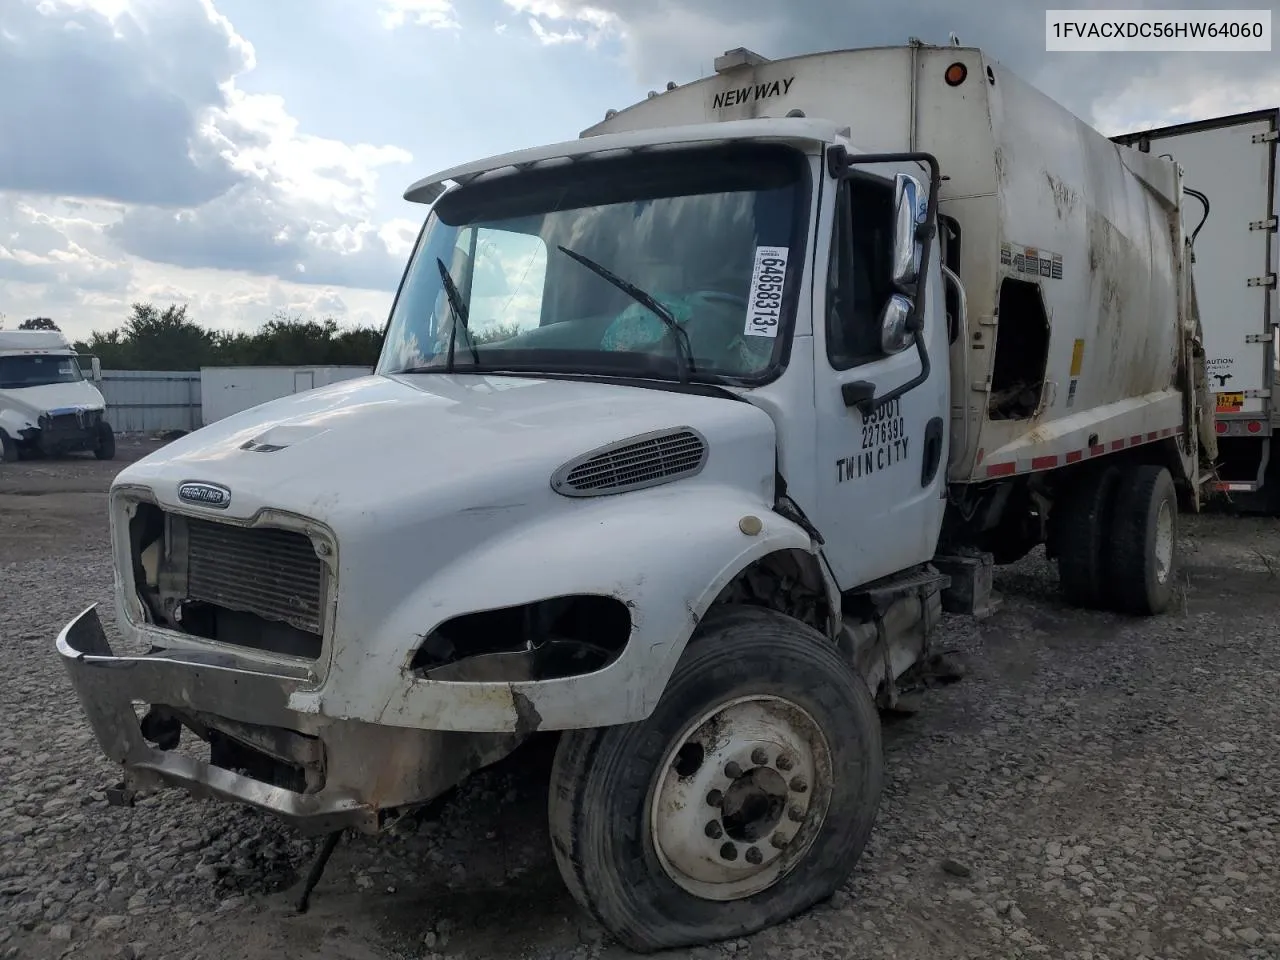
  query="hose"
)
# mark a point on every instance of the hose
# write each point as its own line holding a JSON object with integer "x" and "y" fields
{"x": 1204, "y": 200}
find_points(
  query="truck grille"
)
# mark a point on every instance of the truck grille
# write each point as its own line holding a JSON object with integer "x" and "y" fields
{"x": 274, "y": 574}
{"x": 68, "y": 424}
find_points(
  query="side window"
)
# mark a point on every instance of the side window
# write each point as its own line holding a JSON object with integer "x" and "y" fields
{"x": 859, "y": 274}
{"x": 507, "y": 284}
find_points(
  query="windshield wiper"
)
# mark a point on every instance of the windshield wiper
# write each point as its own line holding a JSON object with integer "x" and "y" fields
{"x": 459, "y": 316}
{"x": 684, "y": 352}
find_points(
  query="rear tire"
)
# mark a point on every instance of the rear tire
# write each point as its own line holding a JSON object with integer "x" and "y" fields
{"x": 9, "y": 452}
{"x": 104, "y": 447}
{"x": 1082, "y": 531}
{"x": 746, "y": 797}
{"x": 1144, "y": 542}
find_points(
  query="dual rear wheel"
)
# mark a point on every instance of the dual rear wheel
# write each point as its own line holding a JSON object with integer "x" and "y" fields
{"x": 1117, "y": 540}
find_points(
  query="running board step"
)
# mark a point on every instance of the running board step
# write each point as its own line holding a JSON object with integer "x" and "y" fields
{"x": 884, "y": 591}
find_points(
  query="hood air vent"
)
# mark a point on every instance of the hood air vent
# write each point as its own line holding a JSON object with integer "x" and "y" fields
{"x": 633, "y": 464}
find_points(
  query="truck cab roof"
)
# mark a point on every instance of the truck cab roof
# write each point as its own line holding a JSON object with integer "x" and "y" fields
{"x": 33, "y": 341}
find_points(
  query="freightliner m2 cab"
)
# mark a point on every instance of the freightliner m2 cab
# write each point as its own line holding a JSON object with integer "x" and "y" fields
{"x": 683, "y": 436}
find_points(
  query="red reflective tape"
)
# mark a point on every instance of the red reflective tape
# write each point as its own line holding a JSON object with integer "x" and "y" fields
{"x": 1043, "y": 463}
{"x": 1134, "y": 441}
{"x": 1001, "y": 469}
{"x": 1075, "y": 456}
{"x": 1097, "y": 450}
{"x": 1152, "y": 436}
{"x": 1117, "y": 444}
{"x": 1167, "y": 432}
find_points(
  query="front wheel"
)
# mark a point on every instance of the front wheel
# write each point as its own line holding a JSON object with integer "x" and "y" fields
{"x": 104, "y": 447}
{"x": 746, "y": 797}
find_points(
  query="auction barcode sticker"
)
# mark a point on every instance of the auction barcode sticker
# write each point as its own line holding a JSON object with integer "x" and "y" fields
{"x": 764, "y": 307}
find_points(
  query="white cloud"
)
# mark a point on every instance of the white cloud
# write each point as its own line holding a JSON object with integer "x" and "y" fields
{"x": 436, "y": 14}
{"x": 194, "y": 171}
{"x": 164, "y": 180}
{"x": 575, "y": 23}
{"x": 1174, "y": 95}
{"x": 549, "y": 37}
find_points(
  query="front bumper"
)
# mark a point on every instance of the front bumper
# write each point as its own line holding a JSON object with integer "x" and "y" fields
{"x": 356, "y": 772}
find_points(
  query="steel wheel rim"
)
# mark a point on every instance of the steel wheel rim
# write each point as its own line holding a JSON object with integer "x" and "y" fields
{"x": 725, "y": 826}
{"x": 1164, "y": 542}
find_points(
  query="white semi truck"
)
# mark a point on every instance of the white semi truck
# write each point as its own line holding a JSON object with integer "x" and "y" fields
{"x": 47, "y": 404}
{"x": 683, "y": 435}
{"x": 1231, "y": 162}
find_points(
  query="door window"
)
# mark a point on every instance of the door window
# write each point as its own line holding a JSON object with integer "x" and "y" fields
{"x": 860, "y": 278}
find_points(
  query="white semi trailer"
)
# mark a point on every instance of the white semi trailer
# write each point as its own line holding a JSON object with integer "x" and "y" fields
{"x": 683, "y": 434}
{"x": 1231, "y": 162}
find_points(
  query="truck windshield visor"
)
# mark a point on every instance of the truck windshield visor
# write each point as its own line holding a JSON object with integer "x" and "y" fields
{"x": 713, "y": 234}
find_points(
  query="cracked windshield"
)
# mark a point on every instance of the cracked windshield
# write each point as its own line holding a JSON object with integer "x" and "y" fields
{"x": 662, "y": 267}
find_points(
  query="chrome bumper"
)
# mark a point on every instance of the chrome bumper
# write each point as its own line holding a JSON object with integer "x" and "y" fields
{"x": 366, "y": 769}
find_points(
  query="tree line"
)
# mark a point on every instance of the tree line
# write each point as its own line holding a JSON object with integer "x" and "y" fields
{"x": 155, "y": 339}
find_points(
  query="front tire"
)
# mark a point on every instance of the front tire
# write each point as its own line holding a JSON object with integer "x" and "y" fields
{"x": 104, "y": 447}
{"x": 746, "y": 797}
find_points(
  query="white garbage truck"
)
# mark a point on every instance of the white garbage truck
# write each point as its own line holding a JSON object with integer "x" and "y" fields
{"x": 47, "y": 404}
{"x": 683, "y": 436}
{"x": 1230, "y": 166}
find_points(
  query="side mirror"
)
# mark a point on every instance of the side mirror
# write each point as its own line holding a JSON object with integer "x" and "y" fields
{"x": 910, "y": 204}
{"x": 894, "y": 335}
{"x": 96, "y": 366}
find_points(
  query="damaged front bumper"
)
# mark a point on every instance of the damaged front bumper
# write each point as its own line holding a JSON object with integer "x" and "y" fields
{"x": 318, "y": 773}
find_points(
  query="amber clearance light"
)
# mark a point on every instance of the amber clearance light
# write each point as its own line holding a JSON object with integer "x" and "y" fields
{"x": 955, "y": 74}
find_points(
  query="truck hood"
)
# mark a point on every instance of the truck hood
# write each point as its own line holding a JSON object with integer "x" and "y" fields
{"x": 51, "y": 398}
{"x": 374, "y": 450}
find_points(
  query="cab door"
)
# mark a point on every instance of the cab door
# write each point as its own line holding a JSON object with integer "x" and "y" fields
{"x": 881, "y": 472}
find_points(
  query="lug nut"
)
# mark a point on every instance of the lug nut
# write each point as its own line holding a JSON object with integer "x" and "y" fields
{"x": 713, "y": 830}
{"x": 729, "y": 852}
{"x": 754, "y": 856}
{"x": 795, "y": 814}
{"x": 715, "y": 798}
{"x": 732, "y": 770}
{"x": 759, "y": 757}
{"x": 784, "y": 763}
{"x": 779, "y": 841}
{"x": 799, "y": 785}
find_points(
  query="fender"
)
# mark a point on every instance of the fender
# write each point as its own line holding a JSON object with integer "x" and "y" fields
{"x": 666, "y": 553}
{"x": 13, "y": 421}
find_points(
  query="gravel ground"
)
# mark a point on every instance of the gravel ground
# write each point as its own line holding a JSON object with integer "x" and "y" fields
{"x": 1096, "y": 788}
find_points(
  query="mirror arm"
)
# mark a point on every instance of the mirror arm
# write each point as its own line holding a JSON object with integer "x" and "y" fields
{"x": 838, "y": 162}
